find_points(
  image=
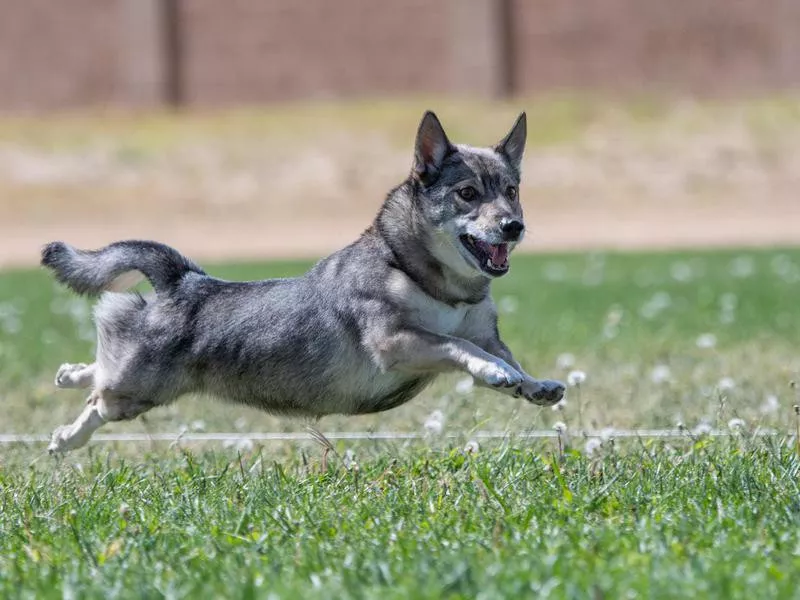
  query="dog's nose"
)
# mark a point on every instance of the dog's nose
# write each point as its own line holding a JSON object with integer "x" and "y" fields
{"x": 511, "y": 228}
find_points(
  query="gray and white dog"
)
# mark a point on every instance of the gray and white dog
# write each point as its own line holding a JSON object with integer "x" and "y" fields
{"x": 363, "y": 331}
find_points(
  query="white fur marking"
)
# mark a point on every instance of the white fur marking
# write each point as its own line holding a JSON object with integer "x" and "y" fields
{"x": 427, "y": 312}
{"x": 77, "y": 434}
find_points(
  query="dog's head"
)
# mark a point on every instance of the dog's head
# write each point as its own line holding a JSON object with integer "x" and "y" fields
{"x": 470, "y": 198}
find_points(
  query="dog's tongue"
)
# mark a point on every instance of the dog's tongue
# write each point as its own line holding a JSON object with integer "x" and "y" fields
{"x": 499, "y": 255}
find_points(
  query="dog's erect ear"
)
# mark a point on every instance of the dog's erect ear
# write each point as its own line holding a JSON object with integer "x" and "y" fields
{"x": 431, "y": 148}
{"x": 513, "y": 145}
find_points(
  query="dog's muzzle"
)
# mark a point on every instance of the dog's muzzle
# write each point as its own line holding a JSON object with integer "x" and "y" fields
{"x": 492, "y": 258}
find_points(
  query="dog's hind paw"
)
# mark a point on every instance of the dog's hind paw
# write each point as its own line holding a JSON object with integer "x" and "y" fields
{"x": 59, "y": 440}
{"x": 66, "y": 438}
{"x": 69, "y": 375}
{"x": 544, "y": 393}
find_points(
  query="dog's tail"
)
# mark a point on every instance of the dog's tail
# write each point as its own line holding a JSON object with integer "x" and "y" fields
{"x": 118, "y": 266}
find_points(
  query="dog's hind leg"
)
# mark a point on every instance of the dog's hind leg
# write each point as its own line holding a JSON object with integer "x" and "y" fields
{"x": 75, "y": 376}
{"x": 102, "y": 406}
{"x": 77, "y": 433}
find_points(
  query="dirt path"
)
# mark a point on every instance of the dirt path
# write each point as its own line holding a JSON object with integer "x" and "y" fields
{"x": 313, "y": 236}
{"x": 690, "y": 178}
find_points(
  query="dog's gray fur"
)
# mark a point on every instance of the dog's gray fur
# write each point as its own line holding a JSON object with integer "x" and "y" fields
{"x": 363, "y": 331}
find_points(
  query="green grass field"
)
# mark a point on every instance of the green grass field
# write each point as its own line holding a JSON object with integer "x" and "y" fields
{"x": 705, "y": 339}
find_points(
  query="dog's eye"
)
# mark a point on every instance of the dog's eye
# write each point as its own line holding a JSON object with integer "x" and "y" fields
{"x": 511, "y": 193}
{"x": 468, "y": 193}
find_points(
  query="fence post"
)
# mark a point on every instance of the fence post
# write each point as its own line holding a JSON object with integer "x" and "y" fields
{"x": 481, "y": 47}
{"x": 149, "y": 53}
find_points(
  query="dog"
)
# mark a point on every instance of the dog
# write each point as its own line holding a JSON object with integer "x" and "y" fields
{"x": 363, "y": 331}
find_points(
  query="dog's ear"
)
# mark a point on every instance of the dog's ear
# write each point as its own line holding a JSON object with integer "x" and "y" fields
{"x": 431, "y": 148}
{"x": 513, "y": 145}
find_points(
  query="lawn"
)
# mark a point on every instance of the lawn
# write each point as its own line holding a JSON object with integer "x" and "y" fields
{"x": 704, "y": 339}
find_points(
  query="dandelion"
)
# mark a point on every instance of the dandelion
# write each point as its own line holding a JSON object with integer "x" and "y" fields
{"x": 681, "y": 271}
{"x": 613, "y": 319}
{"x": 607, "y": 433}
{"x": 555, "y": 271}
{"x": 736, "y": 424}
{"x": 726, "y": 384}
{"x": 472, "y": 447}
{"x": 197, "y": 425}
{"x": 560, "y": 405}
{"x": 660, "y": 374}
{"x": 349, "y": 460}
{"x": 742, "y": 267}
{"x": 245, "y": 445}
{"x": 655, "y": 305}
{"x": 782, "y": 265}
{"x": 706, "y": 340}
{"x": 702, "y": 428}
{"x": 508, "y": 304}
{"x": 592, "y": 445}
{"x": 565, "y": 361}
{"x": 770, "y": 405}
{"x": 560, "y": 427}
{"x": 434, "y": 424}
{"x": 465, "y": 386}
{"x": 576, "y": 378}
{"x": 728, "y": 304}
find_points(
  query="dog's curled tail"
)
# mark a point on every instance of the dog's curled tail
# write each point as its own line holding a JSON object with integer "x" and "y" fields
{"x": 118, "y": 266}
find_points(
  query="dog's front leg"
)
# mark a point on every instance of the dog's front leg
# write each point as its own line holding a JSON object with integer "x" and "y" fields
{"x": 545, "y": 392}
{"x": 420, "y": 351}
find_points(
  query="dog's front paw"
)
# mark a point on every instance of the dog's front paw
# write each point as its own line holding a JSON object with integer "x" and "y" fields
{"x": 499, "y": 374}
{"x": 544, "y": 393}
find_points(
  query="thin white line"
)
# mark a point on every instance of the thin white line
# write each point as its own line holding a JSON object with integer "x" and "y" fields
{"x": 15, "y": 438}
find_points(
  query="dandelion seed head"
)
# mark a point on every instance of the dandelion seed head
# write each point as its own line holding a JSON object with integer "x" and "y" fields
{"x": 742, "y": 267}
{"x": 592, "y": 446}
{"x": 555, "y": 271}
{"x": 508, "y": 304}
{"x": 770, "y": 405}
{"x": 681, "y": 271}
{"x": 736, "y": 424}
{"x": 660, "y": 374}
{"x": 702, "y": 428}
{"x": 465, "y": 386}
{"x": 245, "y": 445}
{"x": 576, "y": 378}
{"x": 706, "y": 340}
{"x": 560, "y": 405}
{"x": 726, "y": 384}
{"x": 434, "y": 424}
{"x": 560, "y": 427}
{"x": 565, "y": 361}
{"x": 472, "y": 447}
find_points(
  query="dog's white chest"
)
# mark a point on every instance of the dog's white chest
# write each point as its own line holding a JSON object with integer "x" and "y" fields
{"x": 426, "y": 312}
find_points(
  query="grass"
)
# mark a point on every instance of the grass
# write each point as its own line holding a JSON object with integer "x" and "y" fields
{"x": 697, "y": 519}
{"x": 692, "y": 517}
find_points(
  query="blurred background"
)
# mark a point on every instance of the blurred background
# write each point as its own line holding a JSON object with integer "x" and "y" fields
{"x": 250, "y": 132}
{"x": 212, "y": 125}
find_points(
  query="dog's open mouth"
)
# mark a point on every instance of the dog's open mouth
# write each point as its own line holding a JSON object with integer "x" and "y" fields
{"x": 492, "y": 258}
